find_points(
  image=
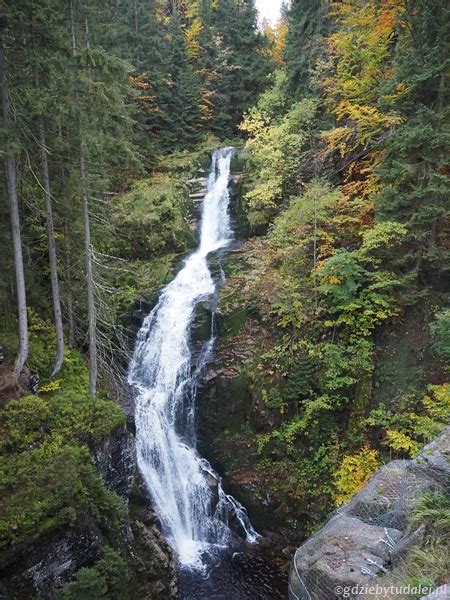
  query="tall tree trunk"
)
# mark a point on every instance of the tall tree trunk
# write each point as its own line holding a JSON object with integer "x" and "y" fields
{"x": 68, "y": 281}
{"x": 52, "y": 254}
{"x": 10, "y": 169}
{"x": 315, "y": 198}
{"x": 92, "y": 317}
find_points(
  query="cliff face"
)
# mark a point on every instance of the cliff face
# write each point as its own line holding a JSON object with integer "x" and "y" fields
{"x": 369, "y": 540}
{"x": 43, "y": 567}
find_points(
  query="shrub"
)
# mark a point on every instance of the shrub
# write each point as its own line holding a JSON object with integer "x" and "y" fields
{"x": 106, "y": 579}
{"x": 353, "y": 473}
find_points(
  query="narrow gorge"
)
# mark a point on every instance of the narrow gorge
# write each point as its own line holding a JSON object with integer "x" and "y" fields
{"x": 224, "y": 300}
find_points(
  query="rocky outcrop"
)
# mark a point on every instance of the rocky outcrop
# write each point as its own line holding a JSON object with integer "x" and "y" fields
{"x": 40, "y": 568}
{"x": 229, "y": 414}
{"x": 115, "y": 459}
{"x": 370, "y": 536}
{"x": 153, "y": 562}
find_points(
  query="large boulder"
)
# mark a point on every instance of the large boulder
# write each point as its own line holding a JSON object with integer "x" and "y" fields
{"x": 345, "y": 553}
{"x": 371, "y": 534}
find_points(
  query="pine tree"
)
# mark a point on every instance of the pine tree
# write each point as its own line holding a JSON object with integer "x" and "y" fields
{"x": 11, "y": 178}
{"x": 414, "y": 170}
{"x": 246, "y": 60}
{"x": 182, "y": 126}
{"x": 308, "y": 23}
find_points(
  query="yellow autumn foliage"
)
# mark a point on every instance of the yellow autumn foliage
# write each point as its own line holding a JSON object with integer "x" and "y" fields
{"x": 353, "y": 473}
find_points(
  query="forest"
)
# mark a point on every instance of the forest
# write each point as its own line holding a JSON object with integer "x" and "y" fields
{"x": 333, "y": 322}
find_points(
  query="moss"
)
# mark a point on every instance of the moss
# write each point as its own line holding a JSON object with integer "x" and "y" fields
{"x": 231, "y": 324}
{"x": 107, "y": 579}
{"x": 47, "y": 476}
{"x": 46, "y": 487}
{"x": 152, "y": 218}
{"x": 238, "y": 163}
{"x": 186, "y": 162}
{"x": 142, "y": 279}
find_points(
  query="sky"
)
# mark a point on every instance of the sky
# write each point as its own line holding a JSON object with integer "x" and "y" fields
{"x": 269, "y": 9}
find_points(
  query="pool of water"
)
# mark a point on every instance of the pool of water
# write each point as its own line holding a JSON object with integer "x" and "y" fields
{"x": 237, "y": 575}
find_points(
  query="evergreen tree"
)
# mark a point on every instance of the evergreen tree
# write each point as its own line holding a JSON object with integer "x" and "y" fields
{"x": 247, "y": 61}
{"x": 182, "y": 119}
{"x": 140, "y": 40}
{"x": 11, "y": 178}
{"x": 89, "y": 81}
{"x": 414, "y": 171}
{"x": 308, "y": 23}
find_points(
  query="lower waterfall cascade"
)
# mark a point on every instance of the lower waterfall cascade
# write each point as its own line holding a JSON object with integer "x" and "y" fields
{"x": 186, "y": 493}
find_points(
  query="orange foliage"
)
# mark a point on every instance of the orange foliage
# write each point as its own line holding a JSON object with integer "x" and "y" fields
{"x": 277, "y": 34}
{"x": 360, "y": 58}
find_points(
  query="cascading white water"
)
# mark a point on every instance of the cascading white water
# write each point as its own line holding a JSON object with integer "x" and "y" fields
{"x": 193, "y": 512}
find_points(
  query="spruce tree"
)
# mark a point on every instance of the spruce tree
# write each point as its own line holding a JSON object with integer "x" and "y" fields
{"x": 415, "y": 186}
{"x": 308, "y": 23}
{"x": 11, "y": 178}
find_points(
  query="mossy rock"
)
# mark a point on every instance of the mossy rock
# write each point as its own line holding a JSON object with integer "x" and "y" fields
{"x": 231, "y": 324}
{"x": 238, "y": 162}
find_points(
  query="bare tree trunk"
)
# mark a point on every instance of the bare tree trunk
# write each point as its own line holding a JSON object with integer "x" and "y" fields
{"x": 10, "y": 169}
{"x": 68, "y": 286}
{"x": 68, "y": 280}
{"x": 52, "y": 254}
{"x": 92, "y": 317}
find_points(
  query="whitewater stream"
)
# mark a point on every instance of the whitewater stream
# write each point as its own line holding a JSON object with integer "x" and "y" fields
{"x": 207, "y": 528}
{"x": 186, "y": 493}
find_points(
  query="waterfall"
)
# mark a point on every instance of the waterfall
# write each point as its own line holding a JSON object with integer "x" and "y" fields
{"x": 185, "y": 491}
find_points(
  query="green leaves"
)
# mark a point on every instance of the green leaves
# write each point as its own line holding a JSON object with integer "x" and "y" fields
{"x": 276, "y": 145}
{"x": 107, "y": 579}
{"x": 356, "y": 291}
{"x": 379, "y": 241}
{"x": 342, "y": 277}
{"x": 440, "y": 331}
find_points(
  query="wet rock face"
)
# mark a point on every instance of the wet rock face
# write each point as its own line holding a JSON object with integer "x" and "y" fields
{"x": 371, "y": 535}
{"x": 229, "y": 414}
{"x": 155, "y": 566}
{"x": 221, "y": 405}
{"x": 115, "y": 459}
{"x": 41, "y": 568}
